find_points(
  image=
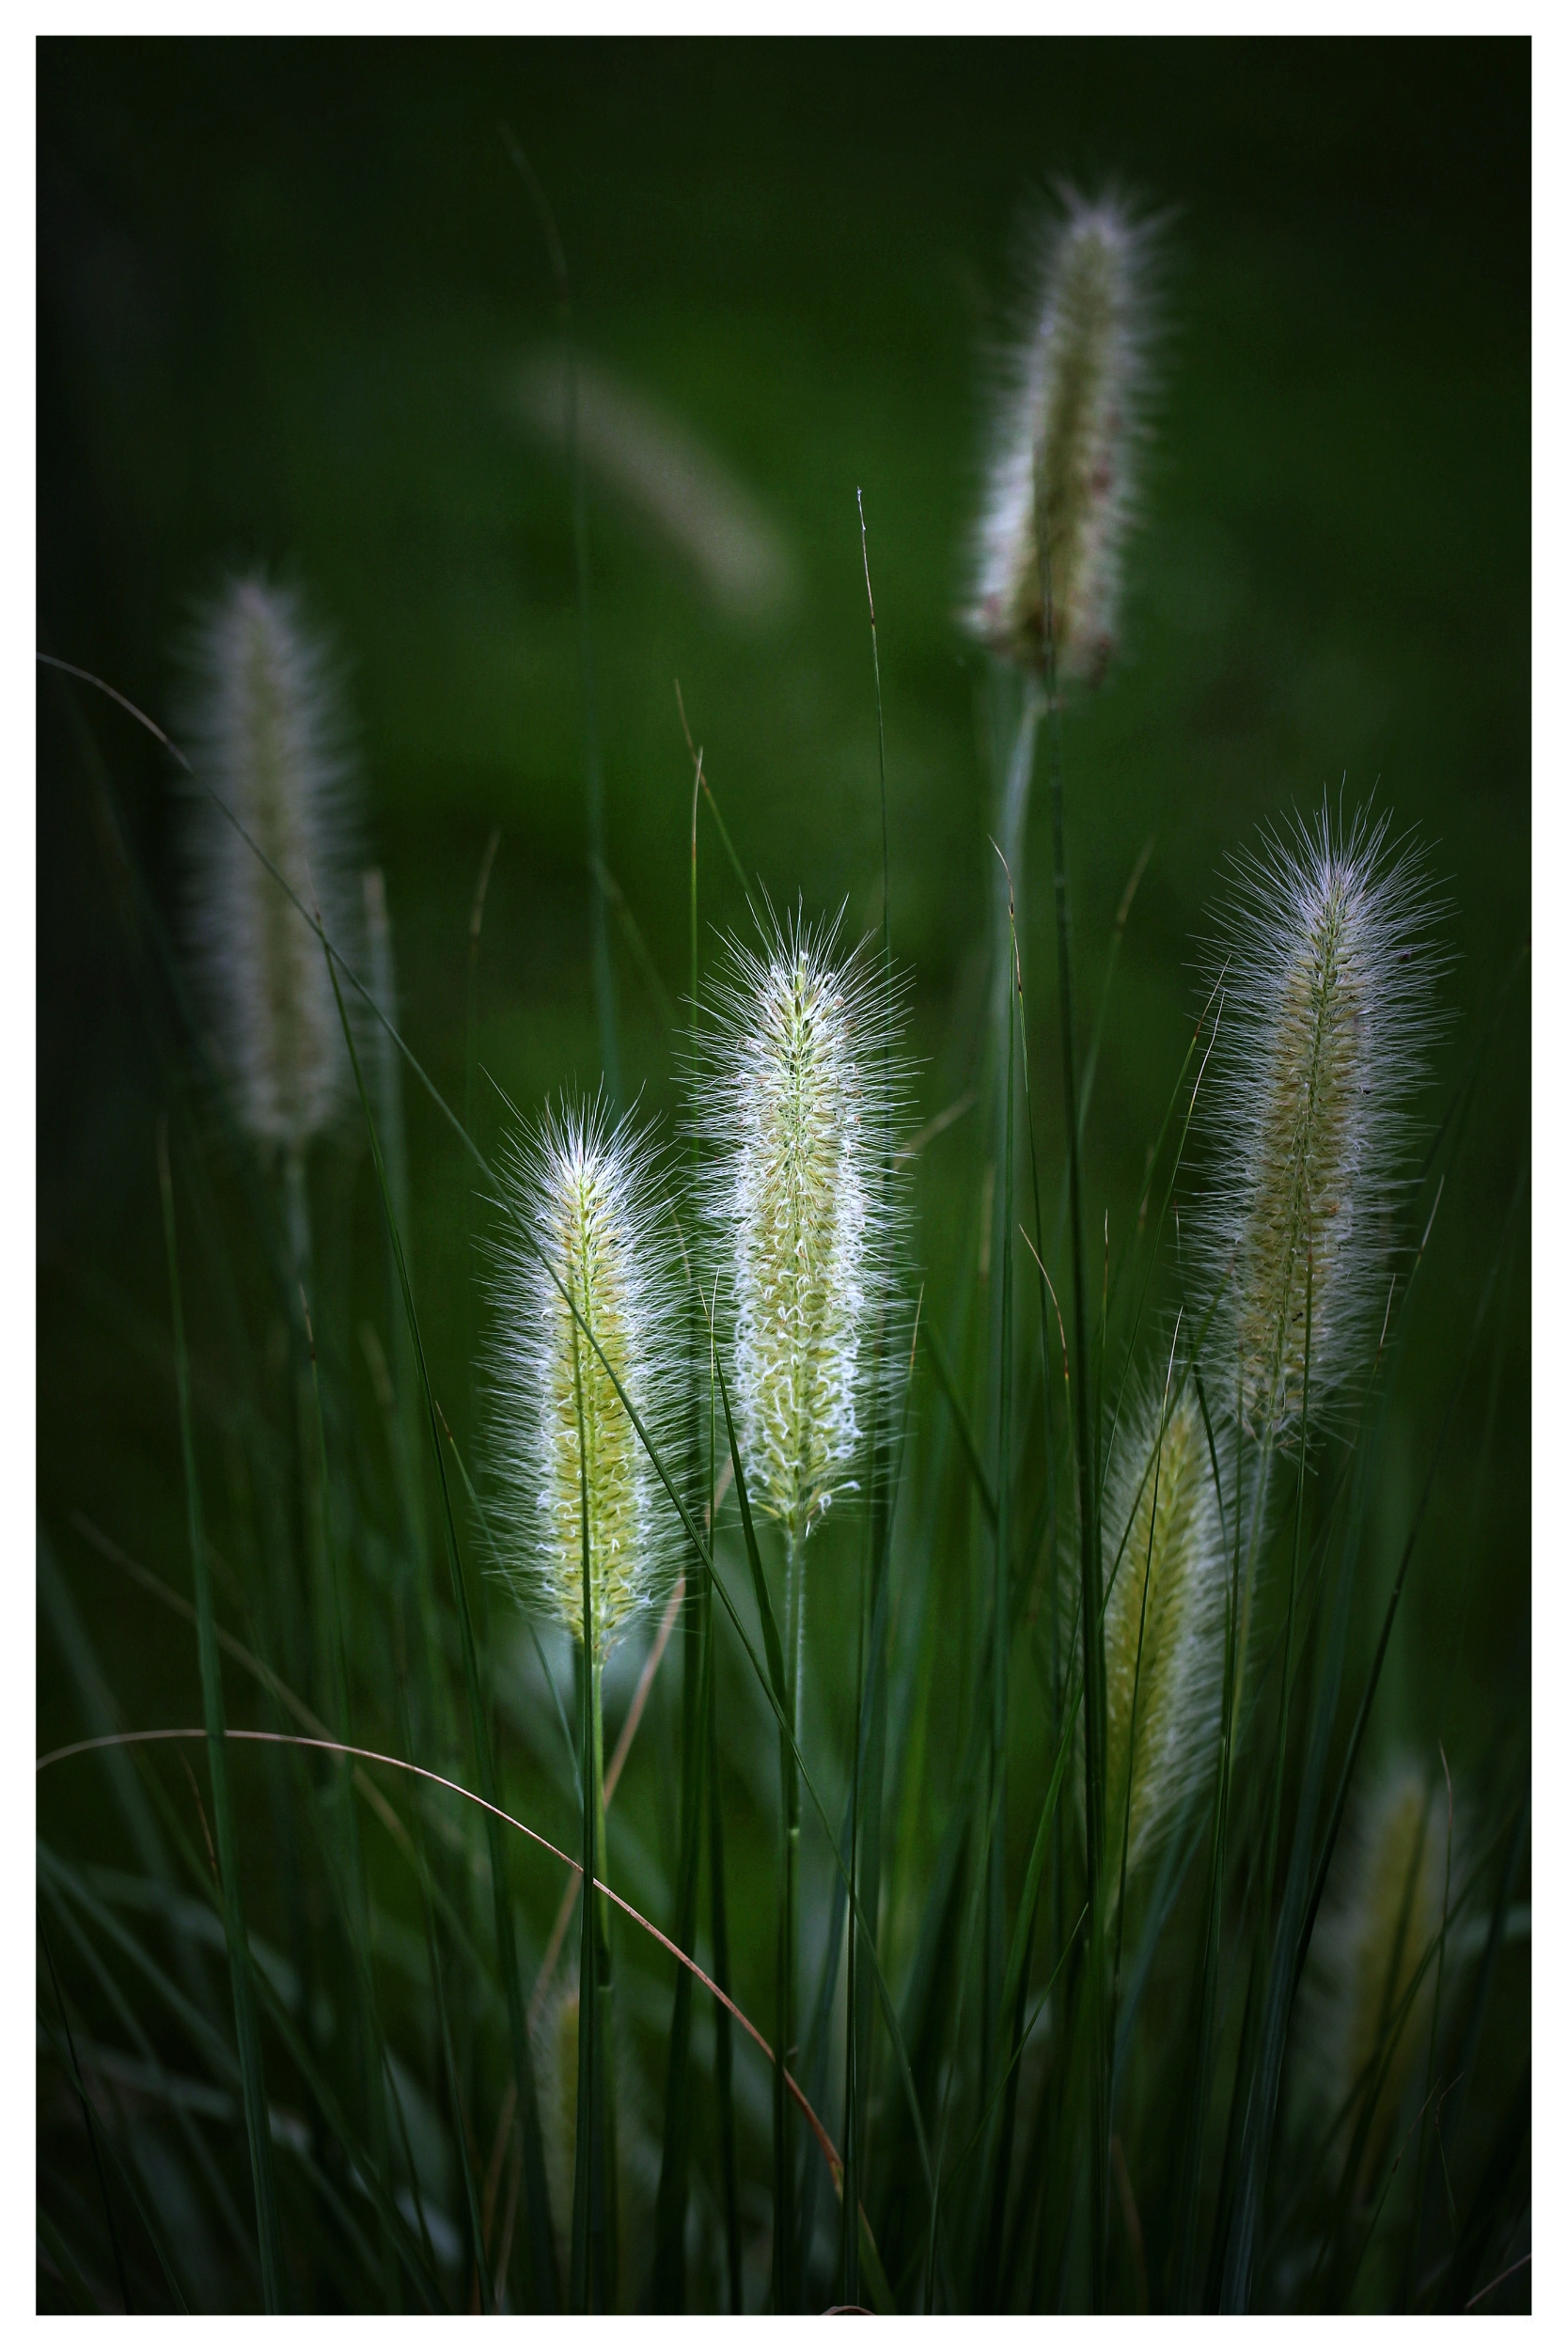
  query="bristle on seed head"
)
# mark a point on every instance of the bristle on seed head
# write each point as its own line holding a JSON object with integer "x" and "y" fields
{"x": 1070, "y": 415}
{"x": 267, "y": 732}
{"x": 1164, "y": 1578}
{"x": 799, "y": 1099}
{"x": 1324, "y": 974}
{"x": 582, "y": 1220}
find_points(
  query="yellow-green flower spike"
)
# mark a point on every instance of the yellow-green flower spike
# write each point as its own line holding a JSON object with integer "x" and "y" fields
{"x": 795, "y": 1099}
{"x": 582, "y": 1223}
{"x": 1165, "y": 1581}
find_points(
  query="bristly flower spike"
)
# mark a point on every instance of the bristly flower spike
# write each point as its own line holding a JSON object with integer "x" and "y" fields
{"x": 1385, "y": 1912}
{"x": 1165, "y": 1578}
{"x": 1328, "y": 977}
{"x": 1069, "y": 414}
{"x": 267, "y": 733}
{"x": 799, "y": 1106}
{"x": 582, "y": 1220}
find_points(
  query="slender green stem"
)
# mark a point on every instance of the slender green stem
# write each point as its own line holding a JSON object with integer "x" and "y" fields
{"x": 357, "y": 1902}
{"x": 786, "y": 2265}
{"x": 1001, "y": 1618}
{"x": 599, "y": 934}
{"x": 668, "y": 2283}
{"x": 723, "y": 2045}
{"x": 433, "y": 1693}
{"x": 607, "y": 2164}
{"x": 542, "y": 2253}
{"x": 594, "y": 2234}
{"x": 1088, "y": 1536}
{"x": 257, "y": 2123}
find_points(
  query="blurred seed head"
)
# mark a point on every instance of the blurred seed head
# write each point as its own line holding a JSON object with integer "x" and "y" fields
{"x": 638, "y": 2154}
{"x": 581, "y": 1216}
{"x": 796, "y": 1101}
{"x": 555, "y": 2060}
{"x": 1326, "y": 970}
{"x": 267, "y": 730}
{"x": 1383, "y": 1914}
{"x": 1069, "y": 414}
{"x": 664, "y": 471}
{"x": 1165, "y": 1575}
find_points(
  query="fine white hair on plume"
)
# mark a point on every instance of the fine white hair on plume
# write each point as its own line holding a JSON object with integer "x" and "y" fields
{"x": 1163, "y": 1573}
{"x": 798, "y": 1104}
{"x": 582, "y": 1217}
{"x": 267, "y": 730}
{"x": 1382, "y": 1915}
{"x": 1070, "y": 410}
{"x": 1324, "y": 971}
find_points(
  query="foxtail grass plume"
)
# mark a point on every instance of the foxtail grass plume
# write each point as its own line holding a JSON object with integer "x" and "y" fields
{"x": 1165, "y": 1579}
{"x": 797, "y": 1104}
{"x": 1325, "y": 973}
{"x": 268, "y": 734}
{"x": 1382, "y": 1916}
{"x": 582, "y": 1220}
{"x": 1070, "y": 415}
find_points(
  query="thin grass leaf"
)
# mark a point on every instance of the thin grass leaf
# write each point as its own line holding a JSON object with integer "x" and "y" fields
{"x": 948, "y": 1382}
{"x": 87, "y": 2119}
{"x": 252, "y": 2080}
{"x": 1088, "y": 1501}
{"x": 202, "y": 2165}
{"x": 542, "y": 2273}
{"x": 603, "y": 977}
{"x": 769, "y": 1685}
{"x": 87, "y": 2300}
{"x": 1374, "y": 1671}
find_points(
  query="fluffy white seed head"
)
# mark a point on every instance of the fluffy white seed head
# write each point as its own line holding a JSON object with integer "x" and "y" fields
{"x": 1383, "y": 1910}
{"x": 798, "y": 1106}
{"x": 1163, "y": 1572}
{"x": 1327, "y": 976}
{"x": 1069, "y": 414}
{"x": 581, "y": 1216}
{"x": 266, "y": 731}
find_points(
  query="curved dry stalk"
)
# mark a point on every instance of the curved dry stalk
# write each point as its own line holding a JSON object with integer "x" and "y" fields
{"x": 399, "y": 1763}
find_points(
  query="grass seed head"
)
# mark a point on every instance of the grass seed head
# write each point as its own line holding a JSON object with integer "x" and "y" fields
{"x": 267, "y": 733}
{"x": 798, "y": 1105}
{"x": 1326, "y": 975}
{"x": 1165, "y": 1578}
{"x": 1383, "y": 1916}
{"x": 582, "y": 1218}
{"x": 1069, "y": 414}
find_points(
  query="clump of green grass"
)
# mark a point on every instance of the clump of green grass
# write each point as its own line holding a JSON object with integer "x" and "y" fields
{"x": 1027, "y": 2052}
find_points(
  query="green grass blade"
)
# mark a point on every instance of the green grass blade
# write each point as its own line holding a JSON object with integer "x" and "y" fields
{"x": 723, "y": 2052}
{"x": 1264, "y": 2091}
{"x": 769, "y": 1683}
{"x": 88, "y": 2118}
{"x": 1089, "y": 1516}
{"x": 603, "y": 977}
{"x": 1091, "y": 1059}
{"x": 947, "y": 1381}
{"x": 202, "y": 2166}
{"x": 1374, "y": 1671}
{"x": 253, "y": 2085}
{"x": 542, "y": 2273}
